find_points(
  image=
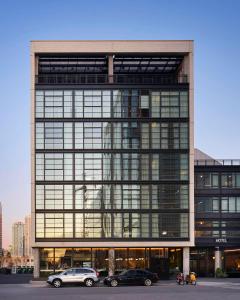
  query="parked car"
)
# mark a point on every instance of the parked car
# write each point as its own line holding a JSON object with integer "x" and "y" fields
{"x": 130, "y": 277}
{"x": 87, "y": 276}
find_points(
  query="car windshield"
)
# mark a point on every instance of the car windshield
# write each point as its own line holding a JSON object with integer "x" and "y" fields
{"x": 123, "y": 272}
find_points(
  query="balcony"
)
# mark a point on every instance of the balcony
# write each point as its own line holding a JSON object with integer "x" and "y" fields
{"x": 122, "y": 79}
{"x": 217, "y": 162}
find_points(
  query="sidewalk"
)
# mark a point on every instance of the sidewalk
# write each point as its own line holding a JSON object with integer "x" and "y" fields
{"x": 201, "y": 281}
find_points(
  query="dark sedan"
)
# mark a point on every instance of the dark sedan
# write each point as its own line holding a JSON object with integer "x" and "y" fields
{"x": 131, "y": 277}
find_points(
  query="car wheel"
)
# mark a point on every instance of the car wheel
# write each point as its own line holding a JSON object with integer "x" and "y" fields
{"x": 114, "y": 283}
{"x": 57, "y": 283}
{"x": 89, "y": 282}
{"x": 147, "y": 282}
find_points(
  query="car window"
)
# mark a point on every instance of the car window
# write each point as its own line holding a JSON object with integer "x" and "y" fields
{"x": 88, "y": 271}
{"x": 69, "y": 272}
{"x": 140, "y": 272}
{"x": 123, "y": 272}
{"x": 131, "y": 273}
{"x": 80, "y": 271}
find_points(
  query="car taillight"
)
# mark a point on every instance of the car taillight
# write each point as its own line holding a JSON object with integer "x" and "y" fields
{"x": 97, "y": 274}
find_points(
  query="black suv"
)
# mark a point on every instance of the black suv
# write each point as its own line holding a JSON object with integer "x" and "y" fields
{"x": 136, "y": 276}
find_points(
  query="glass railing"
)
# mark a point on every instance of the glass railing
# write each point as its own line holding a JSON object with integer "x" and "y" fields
{"x": 58, "y": 79}
{"x": 217, "y": 162}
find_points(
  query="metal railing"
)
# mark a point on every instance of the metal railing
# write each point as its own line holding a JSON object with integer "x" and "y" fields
{"x": 58, "y": 79}
{"x": 217, "y": 162}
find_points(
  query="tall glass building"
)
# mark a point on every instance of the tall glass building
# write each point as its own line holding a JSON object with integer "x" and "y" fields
{"x": 112, "y": 155}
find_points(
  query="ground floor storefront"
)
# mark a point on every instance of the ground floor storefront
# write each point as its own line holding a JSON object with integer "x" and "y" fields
{"x": 164, "y": 261}
{"x": 167, "y": 262}
{"x": 206, "y": 260}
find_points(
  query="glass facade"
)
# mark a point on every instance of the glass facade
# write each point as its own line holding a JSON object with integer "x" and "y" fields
{"x": 112, "y": 164}
{"x": 165, "y": 261}
{"x": 217, "y": 205}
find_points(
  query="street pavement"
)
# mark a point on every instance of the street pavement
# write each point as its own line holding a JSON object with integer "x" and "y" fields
{"x": 15, "y": 278}
{"x": 206, "y": 289}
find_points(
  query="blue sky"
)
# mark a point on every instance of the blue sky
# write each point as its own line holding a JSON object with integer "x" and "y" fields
{"x": 213, "y": 25}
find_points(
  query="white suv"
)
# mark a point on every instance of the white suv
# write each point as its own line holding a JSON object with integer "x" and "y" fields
{"x": 88, "y": 276}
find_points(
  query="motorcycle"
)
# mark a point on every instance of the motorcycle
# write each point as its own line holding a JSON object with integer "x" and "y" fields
{"x": 180, "y": 279}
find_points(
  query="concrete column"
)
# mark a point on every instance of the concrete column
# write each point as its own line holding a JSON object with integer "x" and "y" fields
{"x": 36, "y": 257}
{"x": 111, "y": 262}
{"x": 186, "y": 260}
{"x": 110, "y": 68}
{"x": 218, "y": 259}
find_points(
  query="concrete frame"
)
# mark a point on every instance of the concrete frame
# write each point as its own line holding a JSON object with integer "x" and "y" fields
{"x": 184, "y": 47}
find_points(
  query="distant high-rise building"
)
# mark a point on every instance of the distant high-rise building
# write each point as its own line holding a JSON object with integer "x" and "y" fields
{"x": 18, "y": 239}
{"x": 27, "y": 237}
{"x": 1, "y": 229}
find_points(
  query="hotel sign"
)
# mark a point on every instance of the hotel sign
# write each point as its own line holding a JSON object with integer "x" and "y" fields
{"x": 221, "y": 240}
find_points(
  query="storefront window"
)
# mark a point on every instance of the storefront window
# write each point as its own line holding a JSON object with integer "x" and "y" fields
{"x": 46, "y": 261}
{"x": 232, "y": 261}
{"x": 82, "y": 257}
{"x": 63, "y": 258}
{"x": 121, "y": 260}
{"x": 136, "y": 258}
{"x": 100, "y": 260}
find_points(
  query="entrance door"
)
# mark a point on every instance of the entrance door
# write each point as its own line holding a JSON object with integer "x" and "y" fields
{"x": 160, "y": 265}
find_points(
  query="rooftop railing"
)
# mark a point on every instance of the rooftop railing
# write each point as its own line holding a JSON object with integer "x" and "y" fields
{"x": 217, "y": 162}
{"x": 60, "y": 79}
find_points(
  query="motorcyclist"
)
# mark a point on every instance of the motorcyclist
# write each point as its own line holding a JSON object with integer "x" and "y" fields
{"x": 180, "y": 278}
{"x": 193, "y": 278}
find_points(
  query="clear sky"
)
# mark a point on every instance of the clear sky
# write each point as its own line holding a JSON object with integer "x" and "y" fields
{"x": 214, "y": 25}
